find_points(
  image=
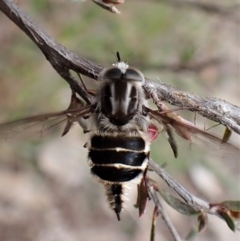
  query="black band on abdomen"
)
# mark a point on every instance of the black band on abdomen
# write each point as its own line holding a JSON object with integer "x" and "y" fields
{"x": 114, "y": 157}
{"x": 130, "y": 143}
{"x": 113, "y": 174}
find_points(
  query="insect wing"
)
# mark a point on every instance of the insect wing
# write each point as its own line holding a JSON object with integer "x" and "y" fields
{"x": 193, "y": 134}
{"x": 40, "y": 124}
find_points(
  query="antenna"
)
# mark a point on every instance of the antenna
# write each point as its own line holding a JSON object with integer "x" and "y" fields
{"x": 128, "y": 57}
{"x": 118, "y": 57}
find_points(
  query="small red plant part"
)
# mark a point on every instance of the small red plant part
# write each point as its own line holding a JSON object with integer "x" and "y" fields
{"x": 153, "y": 132}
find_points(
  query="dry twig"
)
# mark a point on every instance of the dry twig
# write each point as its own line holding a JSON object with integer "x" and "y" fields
{"x": 153, "y": 195}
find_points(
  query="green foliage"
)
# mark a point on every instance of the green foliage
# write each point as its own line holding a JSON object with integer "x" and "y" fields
{"x": 42, "y": 6}
{"x": 178, "y": 205}
{"x": 229, "y": 220}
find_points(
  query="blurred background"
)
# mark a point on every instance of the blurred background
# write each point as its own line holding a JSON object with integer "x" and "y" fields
{"x": 46, "y": 190}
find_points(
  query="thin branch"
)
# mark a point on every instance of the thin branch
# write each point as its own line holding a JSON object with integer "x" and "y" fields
{"x": 107, "y": 6}
{"x": 189, "y": 198}
{"x": 64, "y": 60}
{"x": 59, "y": 57}
{"x": 217, "y": 209}
{"x": 153, "y": 195}
{"x": 212, "y": 108}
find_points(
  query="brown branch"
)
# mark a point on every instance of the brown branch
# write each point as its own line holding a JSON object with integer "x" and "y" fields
{"x": 64, "y": 60}
{"x": 193, "y": 201}
{"x": 212, "y": 108}
{"x": 107, "y": 6}
{"x": 189, "y": 198}
{"x": 153, "y": 195}
{"x": 59, "y": 57}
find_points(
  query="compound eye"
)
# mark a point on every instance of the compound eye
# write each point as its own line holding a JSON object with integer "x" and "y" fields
{"x": 134, "y": 75}
{"x": 111, "y": 74}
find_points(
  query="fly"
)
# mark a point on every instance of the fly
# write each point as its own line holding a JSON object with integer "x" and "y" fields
{"x": 120, "y": 127}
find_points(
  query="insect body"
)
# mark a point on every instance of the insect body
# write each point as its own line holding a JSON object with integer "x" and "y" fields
{"x": 119, "y": 150}
{"x": 120, "y": 127}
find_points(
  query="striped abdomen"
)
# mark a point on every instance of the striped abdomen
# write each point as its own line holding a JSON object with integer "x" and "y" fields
{"x": 115, "y": 160}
